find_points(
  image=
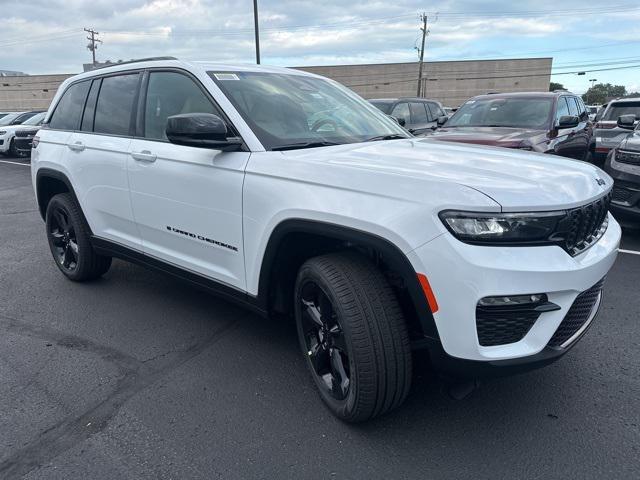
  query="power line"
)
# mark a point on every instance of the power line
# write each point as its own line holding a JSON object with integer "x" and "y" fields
{"x": 93, "y": 42}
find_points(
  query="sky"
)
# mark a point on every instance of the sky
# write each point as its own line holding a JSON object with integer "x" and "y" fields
{"x": 600, "y": 38}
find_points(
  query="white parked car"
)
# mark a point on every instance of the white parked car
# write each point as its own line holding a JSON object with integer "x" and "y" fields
{"x": 13, "y": 122}
{"x": 288, "y": 193}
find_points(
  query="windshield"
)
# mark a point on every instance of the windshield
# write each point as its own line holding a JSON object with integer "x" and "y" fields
{"x": 7, "y": 119}
{"x": 284, "y": 110}
{"x": 618, "y": 109}
{"x": 35, "y": 120}
{"x": 503, "y": 112}
{"x": 384, "y": 107}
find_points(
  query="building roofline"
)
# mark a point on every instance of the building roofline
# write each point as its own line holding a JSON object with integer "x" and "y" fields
{"x": 426, "y": 62}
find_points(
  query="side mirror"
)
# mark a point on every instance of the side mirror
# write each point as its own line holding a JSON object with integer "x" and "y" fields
{"x": 626, "y": 121}
{"x": 200, "y": 130}
{"x": 568, "y": 121}
{"x": 442, "y": 120}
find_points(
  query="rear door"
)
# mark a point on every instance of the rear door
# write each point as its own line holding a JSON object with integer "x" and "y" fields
{"x": 187, "y": 201}
{"x": 97, "y": 155}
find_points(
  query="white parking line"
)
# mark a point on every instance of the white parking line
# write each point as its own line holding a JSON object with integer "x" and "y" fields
{"x": 632, "y": 252}
{"x": 16, "y": 163}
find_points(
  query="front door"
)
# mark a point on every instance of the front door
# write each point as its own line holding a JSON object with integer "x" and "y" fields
{"x": 187, "y": 201}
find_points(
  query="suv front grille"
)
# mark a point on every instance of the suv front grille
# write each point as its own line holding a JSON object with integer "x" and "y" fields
{"x": 578, "y": 316}
{"x": 25, "y": 133}
{"x": 622, "y": 194}
{"x": 625, "y": 156}
{"x": 584, "y": 225}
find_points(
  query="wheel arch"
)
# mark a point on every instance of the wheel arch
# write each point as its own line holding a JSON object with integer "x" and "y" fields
{"x": 50, "y": 182}
{"x": 293, "y": 241}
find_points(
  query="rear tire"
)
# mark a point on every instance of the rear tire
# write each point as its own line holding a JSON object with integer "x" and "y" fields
{"x": 354, "y": 336}
{"x": 69, "y": 240}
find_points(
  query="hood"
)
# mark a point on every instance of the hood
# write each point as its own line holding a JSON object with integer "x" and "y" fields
{"x": 13, "y": 128}
{"x": 495, "y": 136}
{"x": 518, "y": 181}
{"x": 631, "y": 142}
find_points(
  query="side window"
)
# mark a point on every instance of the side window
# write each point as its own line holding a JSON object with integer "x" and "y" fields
{"x": 401, "y": 111}
{"x": 115, "y": 104}
{"x": 582, "y": 109}
{"x": 562, "y": 109}
{"x": 171, "y": 93}
{"x": 418, "y": 113}
{"x": 90, "y": 107}
{"x": 436, "y": 111}
{"x": 67, "y": 114}
{"x": 573, "y": 108}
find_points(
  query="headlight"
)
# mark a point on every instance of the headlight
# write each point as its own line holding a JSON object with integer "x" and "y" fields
{"x": 2, "y": 132}
{"x": 492, "y": 228}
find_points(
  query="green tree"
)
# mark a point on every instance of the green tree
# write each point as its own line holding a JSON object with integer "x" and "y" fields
{"x": 556, "y": 86}
{"x": 602, "y": 92}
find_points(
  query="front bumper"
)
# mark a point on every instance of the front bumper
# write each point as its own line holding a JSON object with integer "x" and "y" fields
{"x": 461, "y": 274}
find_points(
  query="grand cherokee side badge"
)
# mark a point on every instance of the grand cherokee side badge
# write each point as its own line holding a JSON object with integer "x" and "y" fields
{"x": 600, "y": 181}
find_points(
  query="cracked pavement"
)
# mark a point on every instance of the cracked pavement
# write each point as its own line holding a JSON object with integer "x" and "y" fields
{"x": 138, "y": 375}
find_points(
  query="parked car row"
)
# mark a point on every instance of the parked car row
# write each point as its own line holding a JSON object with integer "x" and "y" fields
{"x": 14, "y": 139}
{"x": 557, "y": 122}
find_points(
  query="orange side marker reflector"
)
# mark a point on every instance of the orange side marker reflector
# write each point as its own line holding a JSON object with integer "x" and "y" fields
{"x": 428, "y": 293}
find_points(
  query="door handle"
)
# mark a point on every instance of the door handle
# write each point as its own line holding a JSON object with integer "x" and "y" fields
{"x": 76, "y": 147}
{"x": 144, "y": 156}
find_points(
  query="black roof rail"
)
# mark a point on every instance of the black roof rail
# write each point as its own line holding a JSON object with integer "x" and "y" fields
{"x": 136, "y": 60}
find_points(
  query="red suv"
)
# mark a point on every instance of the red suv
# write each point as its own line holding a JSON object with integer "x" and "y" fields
{"x": 546, "y": 122}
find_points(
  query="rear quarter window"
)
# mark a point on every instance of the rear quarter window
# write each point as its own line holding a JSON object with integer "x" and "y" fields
{"x": 68, "y": 111}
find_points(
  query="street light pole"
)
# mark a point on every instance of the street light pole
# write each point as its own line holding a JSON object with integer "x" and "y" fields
{"x": 593, "y": 81}
{"x": 255, "y": 21}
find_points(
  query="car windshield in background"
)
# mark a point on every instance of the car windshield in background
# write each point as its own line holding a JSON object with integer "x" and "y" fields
{"x": 295, "y": 111}
{"x": 503, "y": 112}
{"x": 7, "y": 119}
{"x": 382, "y": 105}
{"x": 36, "y": 119}
{"x": 622, "y": 108}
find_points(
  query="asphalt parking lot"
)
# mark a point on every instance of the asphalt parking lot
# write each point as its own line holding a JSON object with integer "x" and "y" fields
{"x": 139, "y": 376}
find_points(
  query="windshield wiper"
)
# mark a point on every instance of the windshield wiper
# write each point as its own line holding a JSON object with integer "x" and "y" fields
{"x": 393, "y": 136}
{"x": 295, "y": 146}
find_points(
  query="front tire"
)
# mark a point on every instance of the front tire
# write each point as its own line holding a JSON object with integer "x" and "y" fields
{"x": 353, "y": 335}
{"x": 68, "y": 235}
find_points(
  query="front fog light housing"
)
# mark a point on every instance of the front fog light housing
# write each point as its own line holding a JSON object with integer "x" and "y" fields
{"x": 512, "y": 300}
{"x": 536, "y": 228}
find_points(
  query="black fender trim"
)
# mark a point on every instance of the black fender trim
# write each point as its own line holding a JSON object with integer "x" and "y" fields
{"x": 106, "y": 247}
{"x": 393, "y": 256}
{"x": 58, "y": 175}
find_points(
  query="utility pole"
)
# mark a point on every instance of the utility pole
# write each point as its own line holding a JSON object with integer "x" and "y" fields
{"x": 255, "y": 21}
{"x": 94, "y": 43}
{"x": 425, "y": 32}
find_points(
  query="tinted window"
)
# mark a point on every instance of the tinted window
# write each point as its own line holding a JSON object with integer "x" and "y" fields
{"x": 573, "y": 108}
{"x": 563, "y": 108}
{"x": 418, "y": 113}
{"x": 436, "y": 111}
{"x": 401, "y": 111}
{"x": 115, "y": 104}
{"x": 168, "y": 94}
{"x": 622, "y": 108}
{"x": 67, "y": 114}
{"x": 90, "y": 108}
{"x": 517, "y": 112}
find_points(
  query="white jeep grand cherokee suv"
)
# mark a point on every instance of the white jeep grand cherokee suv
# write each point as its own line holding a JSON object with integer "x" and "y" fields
{"x": 287, "y": 192}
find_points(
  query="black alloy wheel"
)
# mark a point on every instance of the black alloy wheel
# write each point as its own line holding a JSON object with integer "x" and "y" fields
{"x": 63, "y": 239}
{"x": 325, "y": 341}
{"x": 353, "y": 335}
{"x": 70, "y": 240}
